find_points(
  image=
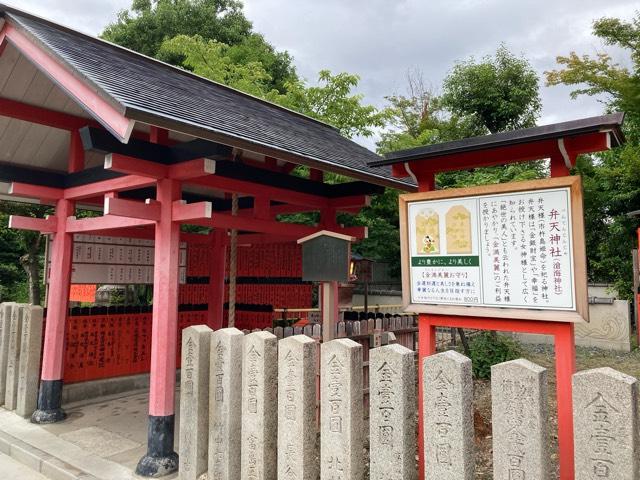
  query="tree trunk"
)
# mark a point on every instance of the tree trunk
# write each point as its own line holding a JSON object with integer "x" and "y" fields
{"x": 31, "y": 264}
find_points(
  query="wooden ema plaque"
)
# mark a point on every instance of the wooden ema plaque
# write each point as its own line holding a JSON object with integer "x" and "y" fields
{"x": 513, "y": 251}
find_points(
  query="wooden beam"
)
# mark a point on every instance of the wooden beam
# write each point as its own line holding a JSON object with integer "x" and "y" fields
{"x": 111, "y": 117}
{"x": 134, "y": 166}
{"x": 186, "y": 212}
{"x": 350, "y": 202}
{"x": 99, "y": 141}
{"x": 126, "y": 182}
{"x": 192, "y": 169}
{"x": 42, "y": 225}
{"x": 97, "y": 224}
{"x": 43, "y": 116}
{"x": 26, "y": 190}
{"x": 149, "y": 210}
{"x": 246, "y": 187}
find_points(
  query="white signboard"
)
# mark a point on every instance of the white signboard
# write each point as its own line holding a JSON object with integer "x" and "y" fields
{"x": 505, "y": 250}
{"x": 115, "y": 260}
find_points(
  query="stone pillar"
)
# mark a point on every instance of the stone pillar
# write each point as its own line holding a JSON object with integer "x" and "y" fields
{"x": 341, "y": 410}
{"x": 259, "y": 407}
{"x": 13, "y": 357}
{"x": 520, "y": 416}
{"x": 29, "y": 366}
{"x": 225, "y": 395}
{"x": 297, "y": 433}
{"x": 5, "y": 327}
{"x": 447, "y": 406}
{"x": 605, "y": 416}
{"x": 194, "y": 401}
{"x": 392, "y": 417}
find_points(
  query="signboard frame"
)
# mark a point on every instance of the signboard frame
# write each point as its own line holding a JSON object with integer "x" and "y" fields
{"x": 577, "y": 315}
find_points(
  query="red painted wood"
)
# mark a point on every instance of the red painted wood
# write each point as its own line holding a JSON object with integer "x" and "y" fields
{"x": 135, "y": 166}
{"x": 99, "y": 224}
{"x": 128, "y": 208}
{"x": 426, "y": 347}
{"x": 188, "y": 212}
{"x": 192, "y": 169}
{"x": 42, "y": 225}
{"x": 43, "y": 116}
{"x": 57, "y": 304}
{"x": 76, "y": 152}
{"x": 26, "y": 190}
{"x": 226, "y": 184}
{"x": 128, "y": 182}
{"x": 358, "y": 201}
{"x": 316, "y": 175}
{"x": 262, "y": 208}
{"x": 106, "y": 113}
{"x": 158, "y": 135}
{"x": 565, "y": 368}
{"x": 165, "y": 303}
{"x": 558, "y": 166}
{"x": 217, "y": 259}
{"x": 427, "y": 181}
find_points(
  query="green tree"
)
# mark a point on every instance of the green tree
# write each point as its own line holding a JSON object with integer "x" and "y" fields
{"x": 148, "y": 23}
{"x": 611, "y": 179}
{"x": 496, "y": 94}
{"x": 22, "y": 254}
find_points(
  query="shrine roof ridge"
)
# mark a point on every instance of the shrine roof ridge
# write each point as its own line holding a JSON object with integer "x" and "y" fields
{"x": 149, "y": 91}
{"x": 610, "y": 122}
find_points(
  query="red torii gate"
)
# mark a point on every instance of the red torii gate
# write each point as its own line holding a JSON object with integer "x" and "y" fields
{"x": 152, "y": 158}
{"x": 560, "y": 143}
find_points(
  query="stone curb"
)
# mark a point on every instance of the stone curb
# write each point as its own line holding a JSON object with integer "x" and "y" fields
{"x": 39, "y": 461}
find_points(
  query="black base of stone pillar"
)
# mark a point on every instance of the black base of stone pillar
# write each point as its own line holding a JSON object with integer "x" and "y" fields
{"x": 160, "y": 459}
{"x": 49, "y": 403}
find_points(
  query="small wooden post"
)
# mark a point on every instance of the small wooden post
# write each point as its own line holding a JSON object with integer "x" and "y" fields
{"x": 329, "y": 310}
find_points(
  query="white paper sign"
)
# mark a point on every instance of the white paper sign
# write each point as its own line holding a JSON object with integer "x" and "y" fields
{"x": 509, "y": 250}
{"x": 115, "y": 260}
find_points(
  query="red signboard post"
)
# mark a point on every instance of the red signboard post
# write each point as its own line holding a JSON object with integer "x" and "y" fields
{"x": 561, "y": 144}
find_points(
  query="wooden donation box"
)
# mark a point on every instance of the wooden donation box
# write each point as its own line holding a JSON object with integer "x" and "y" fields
{"x": 326, "y": 258}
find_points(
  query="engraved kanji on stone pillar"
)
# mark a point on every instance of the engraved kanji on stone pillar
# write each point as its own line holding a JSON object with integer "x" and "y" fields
{"x": 341, "y": 411}
{"x": 520, "y": 416}
{"x": 297, "y": 432}
{"x": 225, "y": 397}
{"x": 447, "y": 406}
{"x": 29, "y": 364}
{"x": 605, "y": 425}
{"x": 392, "y": 418}
{"x": 259, "y": 407}
{"x": 13, "y": 357}
{"x": 194, "y": 402}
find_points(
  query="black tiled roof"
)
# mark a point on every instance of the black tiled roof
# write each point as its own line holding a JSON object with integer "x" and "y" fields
{"x": 611, "y": 122}
{"x": 150, "y": 91}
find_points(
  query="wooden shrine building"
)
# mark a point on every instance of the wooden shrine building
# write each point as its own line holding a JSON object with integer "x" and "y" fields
{"x": 150, "y": 147}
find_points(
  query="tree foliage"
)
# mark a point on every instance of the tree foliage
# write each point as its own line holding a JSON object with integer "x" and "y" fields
{"x": 611, "y": 179}
{"x": 496, "y": 94}
{"x": 149, "y": 23}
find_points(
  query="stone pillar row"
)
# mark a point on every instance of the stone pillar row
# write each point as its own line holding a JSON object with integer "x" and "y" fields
{"x": 248, "y": 411}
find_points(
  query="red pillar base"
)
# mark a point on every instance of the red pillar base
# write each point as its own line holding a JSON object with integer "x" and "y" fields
{"x": 49, "y": 403}
{"x": 160, "y": 459}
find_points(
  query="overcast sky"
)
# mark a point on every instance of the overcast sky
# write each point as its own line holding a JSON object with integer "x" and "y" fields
{"x": 381, "y": 39}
